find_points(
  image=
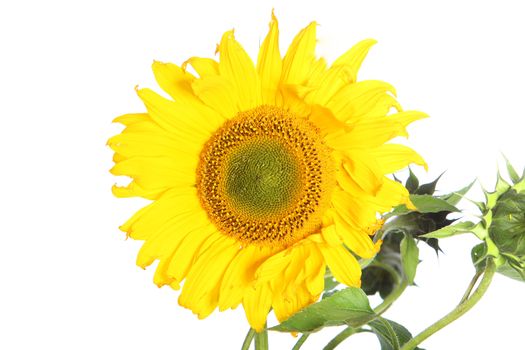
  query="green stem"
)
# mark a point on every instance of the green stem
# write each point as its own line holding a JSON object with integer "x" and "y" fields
{"x": 301, "y": 341}
{"x": 340, "y": 338}
{"x": 471, "y": 286}
{"x": 261, "y": 339}
{"x": 459, "y": 311}
{"x": 393, "y": 296}
{"x": 248, "y": 340}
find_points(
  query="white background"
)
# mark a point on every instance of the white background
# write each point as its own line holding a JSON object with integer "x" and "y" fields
{"x": 68, "y": 278}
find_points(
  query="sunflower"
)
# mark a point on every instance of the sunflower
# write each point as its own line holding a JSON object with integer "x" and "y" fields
{"x": 261, "y": 176}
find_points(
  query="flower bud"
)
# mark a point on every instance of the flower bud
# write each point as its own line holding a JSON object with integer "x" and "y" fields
{"x": 504, "y": 224}
{"x": 507, "y": 229}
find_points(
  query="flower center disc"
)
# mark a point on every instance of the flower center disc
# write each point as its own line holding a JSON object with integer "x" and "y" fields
{"x": 265, "y": 177}
{"x": 262, "y": 178}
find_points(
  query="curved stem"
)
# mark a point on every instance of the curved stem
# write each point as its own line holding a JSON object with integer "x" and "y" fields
{"x": 471, "y": 286}
{"x": 340, "y": 338}
{"x": 389, "y": 300}
{"x": 301, "y": 341}
{"x": 459, "y": 311}
{"x": 261, "y": 339}
{"x": 248, "y": 340}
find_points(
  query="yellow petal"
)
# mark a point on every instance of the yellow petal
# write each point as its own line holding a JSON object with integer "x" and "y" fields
{"x": 177, "y": 118}
{"x": 186, "y": 251}
{"x": 317, "y": 72}
{"x": 392, "y": 193}
{"x": 343, "y": 265}
{"x": 177, "y": 82}
{"x": 393, "y": 157}
{"x": 203, "y": 66}
{"x": 353, "y": 209}
{"x": 149, "y": 145}
{"x": 134, "y": 190}
{"x": 237, "y": 67}
{"x": 329, "y": 84}
{"x": 356, "y": 239}
{"x": 174, "y": 80}
{"x": 407, "y": 117}
{"x": 292, "y": 100}
{"x": 201, "y": 288}
{"x": 363, "y": 170}
{"x": 294, "y": 270}
{"x": 219, "y": 94}
{"x": 132, "y": 118}
{"x": 161, "y": 278}
{"x": 148, "y": 220}
{"x": 273, "y": 266}
{"x": 295, "y": 297}
{"x": 269, "y": 64}
{"x": 300, "y": 57}
{"x": 358, "y": 100}
{"x": 257, "y": 302}
{"x": 355, "y": 56}
{"x": 157, "y": 173}
{"x": 240, "y": 275}
{"x": 374, "y": 132}
{"x": 164, "y": 240}
{"x": 330, "y": 235}
{"x": 326, "y": 122}
{"x": 314, "y": 271}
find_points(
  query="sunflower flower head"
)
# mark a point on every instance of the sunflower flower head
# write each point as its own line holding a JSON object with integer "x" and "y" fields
{"x": 261, "y": 175}
{"x": 502, "y": 226}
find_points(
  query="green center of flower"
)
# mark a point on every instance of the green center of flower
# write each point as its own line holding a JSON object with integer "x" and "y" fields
{"x": 262, "y": 178}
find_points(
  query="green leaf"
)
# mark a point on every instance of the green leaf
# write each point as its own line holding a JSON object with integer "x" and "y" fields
{"x": 452, "y": 230}
{"x": 409, "y": 257}
{"x": 391, "y": 334}
{"x": 456, "y": 196}
{"x": 349, "y": 306}
{"x": 428, "y": 204}
{"x": 386, "y": 334}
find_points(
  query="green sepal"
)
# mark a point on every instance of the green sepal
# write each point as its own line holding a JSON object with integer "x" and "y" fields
{"x": 386, "y": 270}
{"x": 520, "y": 186}
{"x": 452, "y": 230}
{"x": 412, "y": 183}
{"x": 508, "y": 265}
{"x": 383, "y": 275}
{"x": 397, "y": 211}
{"x": 455, "y": 197}
{"x": 428, "y": 204}
{"x": 428, "y": 188}
{"x": 512, "y": 268}
{"x": 478, "y": 255}
{"x": 349, "y": 306}
{"x": 511, "y": 171}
